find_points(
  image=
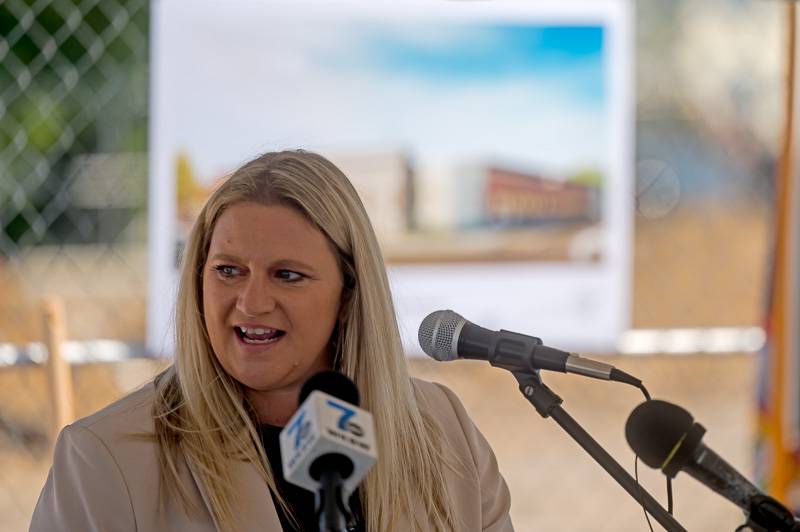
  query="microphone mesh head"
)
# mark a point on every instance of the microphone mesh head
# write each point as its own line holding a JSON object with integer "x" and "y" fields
{"x": 436, "y": 334}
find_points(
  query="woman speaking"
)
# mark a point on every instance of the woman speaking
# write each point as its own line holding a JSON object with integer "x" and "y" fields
{"x": 282, "y": 277}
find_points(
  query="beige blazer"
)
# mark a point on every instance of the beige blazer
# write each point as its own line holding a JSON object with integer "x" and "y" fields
{"x": 104, "y": 480}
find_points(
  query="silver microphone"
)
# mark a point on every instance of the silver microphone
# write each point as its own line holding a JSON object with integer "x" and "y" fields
{"x": 445, "y": 335}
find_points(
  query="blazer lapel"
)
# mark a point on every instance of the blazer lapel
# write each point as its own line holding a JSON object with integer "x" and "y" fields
{"x": 253, "y": 508}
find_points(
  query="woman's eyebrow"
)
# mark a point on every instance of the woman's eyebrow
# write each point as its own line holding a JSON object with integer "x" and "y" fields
{"x": 225, "y": 256}
{"x": 293, "y": 263}
{"x": 280, "y": 263}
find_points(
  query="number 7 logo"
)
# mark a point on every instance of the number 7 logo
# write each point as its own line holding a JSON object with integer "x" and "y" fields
{"x": 347, "y": 413}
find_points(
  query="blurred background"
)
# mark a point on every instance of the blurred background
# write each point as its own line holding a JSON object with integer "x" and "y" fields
{"x": 710, "y": 79}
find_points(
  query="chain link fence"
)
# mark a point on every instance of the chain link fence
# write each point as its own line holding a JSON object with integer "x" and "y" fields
{"x": 73, "y": 199}
{"x": 73, "y": 123}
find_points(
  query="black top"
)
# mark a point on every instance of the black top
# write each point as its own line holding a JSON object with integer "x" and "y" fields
{"x": 300, "y": 500}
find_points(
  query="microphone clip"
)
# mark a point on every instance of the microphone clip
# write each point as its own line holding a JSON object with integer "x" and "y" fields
{"x": 543, "y": 399}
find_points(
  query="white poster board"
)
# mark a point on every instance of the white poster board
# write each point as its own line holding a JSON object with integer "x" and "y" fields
{"x": 491, "y": 142}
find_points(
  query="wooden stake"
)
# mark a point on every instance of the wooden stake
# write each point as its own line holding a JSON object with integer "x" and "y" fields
{"x": 58, "y": 369}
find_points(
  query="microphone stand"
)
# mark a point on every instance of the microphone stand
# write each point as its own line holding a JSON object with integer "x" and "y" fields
{"x": 548, "y": 404}
{"x": 766, "y": 514}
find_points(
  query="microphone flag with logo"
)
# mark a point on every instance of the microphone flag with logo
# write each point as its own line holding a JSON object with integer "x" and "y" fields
{"x": 328, "y": 432}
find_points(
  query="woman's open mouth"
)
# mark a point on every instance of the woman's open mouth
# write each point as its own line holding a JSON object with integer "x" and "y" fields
{"x": 258, "y": 335}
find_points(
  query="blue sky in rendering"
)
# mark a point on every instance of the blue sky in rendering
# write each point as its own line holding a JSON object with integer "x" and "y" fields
{"x": 513, "y": 92}
{"x": 488, "y": 53}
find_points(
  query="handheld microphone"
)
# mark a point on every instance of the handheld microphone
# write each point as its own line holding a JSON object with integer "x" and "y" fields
{"x": 666, "y": 437}
{"x": 328, "y": 446}
{"x": 446, "y": 335}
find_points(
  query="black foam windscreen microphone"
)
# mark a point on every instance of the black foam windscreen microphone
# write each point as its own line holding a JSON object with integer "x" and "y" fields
{"x": 446, "y": 335}
{"x": 333, "y": 383}
{"x": 663, "y": 435}
{"x": 666, "y": 437}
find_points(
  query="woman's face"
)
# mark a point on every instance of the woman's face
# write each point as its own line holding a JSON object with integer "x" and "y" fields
{"x": 271, "y": 296}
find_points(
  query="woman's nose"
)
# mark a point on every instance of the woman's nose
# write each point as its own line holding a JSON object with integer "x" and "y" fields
{"x": 256, "y": 298}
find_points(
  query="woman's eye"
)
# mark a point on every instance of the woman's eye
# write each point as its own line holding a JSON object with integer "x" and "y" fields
{"x": 288, "y": 275}
{"x": 226, "y": 270}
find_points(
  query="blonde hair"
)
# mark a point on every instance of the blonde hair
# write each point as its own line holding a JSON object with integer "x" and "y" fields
{"x": 201, "y": 412}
